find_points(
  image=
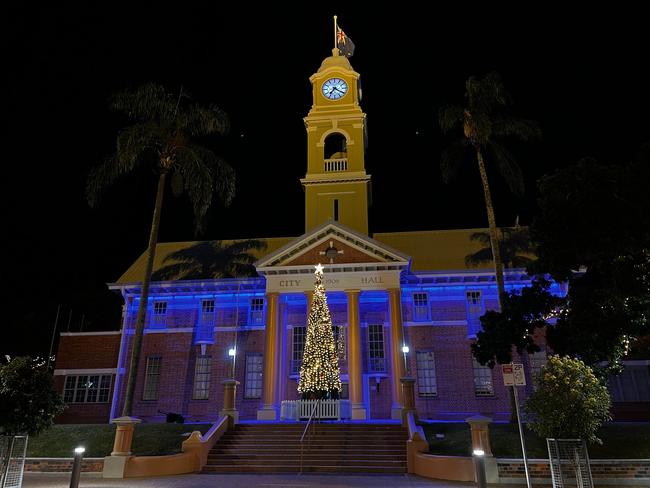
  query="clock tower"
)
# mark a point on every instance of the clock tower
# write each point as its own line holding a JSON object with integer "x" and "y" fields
{"x": 336, "y": 184}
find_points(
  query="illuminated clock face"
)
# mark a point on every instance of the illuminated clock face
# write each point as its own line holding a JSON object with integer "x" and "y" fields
{"x": 335, "y": 88}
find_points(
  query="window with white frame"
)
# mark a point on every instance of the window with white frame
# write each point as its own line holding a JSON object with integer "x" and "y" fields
{"x": 538, "y": 360}
{"x": 298, "y": 346}
{"x": 474, "y": 311}
{"x": 482, "y": 379}
{"x": 420, "y": 307}
{"x": 256, "y": 315}
{"x": 376, "y": 355}
{"x": 253, "y": 382}
{"x": 202, "y": 368}
{"x": 159, "y": 317}
{"x": 87, "y": 388}
{"x": 205, "y": 329}
{"x": 152, "y": 378}
{"x": 426, "y": 366}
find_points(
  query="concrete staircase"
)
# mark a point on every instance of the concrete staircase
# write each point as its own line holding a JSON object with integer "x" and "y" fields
{"x": 334, "y": 448}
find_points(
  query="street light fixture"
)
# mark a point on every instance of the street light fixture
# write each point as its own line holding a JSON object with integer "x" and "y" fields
{"x": 232, "y": 352}
{"x": 405, "y": 350}
{"x": 76, "y": 466}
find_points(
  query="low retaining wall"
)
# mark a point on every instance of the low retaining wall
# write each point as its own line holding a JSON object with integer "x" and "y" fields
{"x": 62, "y": 465}
{"x": 603, "y": 471}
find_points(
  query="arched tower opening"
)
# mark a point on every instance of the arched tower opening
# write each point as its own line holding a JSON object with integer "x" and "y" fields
{"x": 336, "y": 152}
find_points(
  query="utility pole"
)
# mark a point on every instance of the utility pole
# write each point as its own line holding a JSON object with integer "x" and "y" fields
{"x": 56, "y": 321}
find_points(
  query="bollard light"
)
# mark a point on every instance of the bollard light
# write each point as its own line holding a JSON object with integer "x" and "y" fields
{"x": 232, "y": 352}
{"x": 76, "y": 466}
{"x": 479, "y": 466}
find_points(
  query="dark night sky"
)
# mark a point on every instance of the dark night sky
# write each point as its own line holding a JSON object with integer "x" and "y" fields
{"x": 583, "y": 76}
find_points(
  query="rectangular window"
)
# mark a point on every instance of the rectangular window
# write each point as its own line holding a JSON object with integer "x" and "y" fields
{"x": 298, "y": 346}
{"x": 426, "y": 367}
{"x": 205, "y": 327}
{"x": 87, "y": 389}
{"x": 202, "y": 367}
{"x": 253, "y": 382}
{"x": 482, "y": 379}
{"x": 152, "y": 378}
{"x": 256, "y": 316}
{"x": 420, "y": 307}
{"x": 159, "y": 317}
{"x": 376, "y": 356}
{"x": 336, "y": 210}
{"x": 474, "y": 311}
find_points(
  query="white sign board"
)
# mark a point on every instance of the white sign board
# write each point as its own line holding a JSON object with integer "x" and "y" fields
{"x": 513, "y": 374}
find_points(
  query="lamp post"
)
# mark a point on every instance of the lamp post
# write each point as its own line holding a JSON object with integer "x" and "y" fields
{"x": 479, "y": 466}
{"x": 76, "y": 466}
{"x": 405, "y": 350}
{"x": 232, "y": 352}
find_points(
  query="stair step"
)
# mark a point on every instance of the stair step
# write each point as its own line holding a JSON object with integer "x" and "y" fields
{"x": 305, "y": 468}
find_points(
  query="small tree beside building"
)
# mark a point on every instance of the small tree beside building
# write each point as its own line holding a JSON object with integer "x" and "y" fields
{"x": 569, "y": 403}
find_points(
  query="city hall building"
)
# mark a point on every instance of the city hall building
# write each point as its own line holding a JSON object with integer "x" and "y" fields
{"x": 386, "y": 290}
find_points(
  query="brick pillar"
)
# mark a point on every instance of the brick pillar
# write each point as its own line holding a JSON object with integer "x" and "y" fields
{"x": 396, "y": 342}
{"x": 355, "y": 367}
{"x": 229, "y": 408}
{"x": 408, "y": 396}
{"x": 480, "y": 430}
{"x": 269, "y": 410}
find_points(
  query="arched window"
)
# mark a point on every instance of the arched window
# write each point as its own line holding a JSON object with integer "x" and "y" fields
{"x": 335, "y": 146}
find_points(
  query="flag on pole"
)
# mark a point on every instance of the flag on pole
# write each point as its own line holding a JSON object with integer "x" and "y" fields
{"x": 344, "y": 43}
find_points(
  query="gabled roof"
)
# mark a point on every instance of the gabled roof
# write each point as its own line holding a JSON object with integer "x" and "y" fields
{"x": 346, "y": 246}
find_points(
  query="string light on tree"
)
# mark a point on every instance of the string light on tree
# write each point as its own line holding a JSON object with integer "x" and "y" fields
{"x": 320, "y": 376}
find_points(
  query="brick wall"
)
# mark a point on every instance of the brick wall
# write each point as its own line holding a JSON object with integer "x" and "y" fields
{"x": 88, "y": 351}
{"x": 612, "y": 469}
{"x": 63, "y": 465}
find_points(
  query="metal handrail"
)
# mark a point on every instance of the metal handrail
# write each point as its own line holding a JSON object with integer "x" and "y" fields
{"x": 309, "y": 421}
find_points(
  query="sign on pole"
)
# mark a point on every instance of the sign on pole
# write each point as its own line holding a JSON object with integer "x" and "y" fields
{"x": 513, "y": 374}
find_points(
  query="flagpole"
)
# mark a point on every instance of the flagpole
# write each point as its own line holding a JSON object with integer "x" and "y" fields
{"x": 335, "y": 31}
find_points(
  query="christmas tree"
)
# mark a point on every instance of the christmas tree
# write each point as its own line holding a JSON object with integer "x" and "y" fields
{"x": 320, "y": 376}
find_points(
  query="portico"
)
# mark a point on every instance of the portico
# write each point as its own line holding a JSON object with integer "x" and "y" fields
{"x": 358, "y": 267}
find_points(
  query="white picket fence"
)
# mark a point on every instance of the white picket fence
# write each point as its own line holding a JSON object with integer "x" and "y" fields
{"x": 327, "y": 409}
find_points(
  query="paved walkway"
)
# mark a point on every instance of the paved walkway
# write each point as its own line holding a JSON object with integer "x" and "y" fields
{"x": 62, "y": 480}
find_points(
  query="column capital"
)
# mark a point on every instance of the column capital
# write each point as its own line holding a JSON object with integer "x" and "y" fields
{"x": 272, "y": 294}
{"x": 352, "y": 291}
{"x": 394, "y": 291}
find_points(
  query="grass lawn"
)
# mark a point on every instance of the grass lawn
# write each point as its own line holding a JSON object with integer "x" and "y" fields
{"x": 620, "y": 440}
{"x": 60, "y": 440}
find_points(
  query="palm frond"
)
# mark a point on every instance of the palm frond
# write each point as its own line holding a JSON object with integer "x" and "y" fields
{"x": 177, "y": 271}
{"x": 524, "y": 129}
{"x": 104, "y": 175}
{"x": 508, "y": 167}
{"x": 481, "y": 256}
{"x": 450, "y": 118}
{"x": 136, "y": 140}
{"x": 452, "y": 159}
{"x": 149, "y": 101}
{"x": 203, "y": 172}
{"x": 200, "y": 121}
{"x": 482, "y": 237}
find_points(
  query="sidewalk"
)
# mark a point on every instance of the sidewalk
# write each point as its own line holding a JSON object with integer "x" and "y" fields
{"x": 62, "y": 480}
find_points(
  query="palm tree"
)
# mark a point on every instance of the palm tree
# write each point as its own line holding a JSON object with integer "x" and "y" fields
{"x": 211, "y": 259}
{"x": 161, "y": 137}
{"x": 482, "y": 120}
{"x": 514, "y": 246}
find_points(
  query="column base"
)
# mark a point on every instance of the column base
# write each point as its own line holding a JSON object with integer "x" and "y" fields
{"x": 396, "y": 413}
{"x": 491, "y": 469}
{"x": 267, "y": 413}
{"x": 359, "y": 412}
{"x": 115, "y": 466}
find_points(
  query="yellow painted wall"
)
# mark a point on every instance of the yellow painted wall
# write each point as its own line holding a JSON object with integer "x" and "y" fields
{"x": 343, "y": 116}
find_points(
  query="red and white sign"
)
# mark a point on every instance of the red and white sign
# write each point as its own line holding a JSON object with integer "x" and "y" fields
{"x": 513, "y": 374}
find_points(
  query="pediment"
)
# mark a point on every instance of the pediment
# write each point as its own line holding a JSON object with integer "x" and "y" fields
{"x": 335, "y": 246}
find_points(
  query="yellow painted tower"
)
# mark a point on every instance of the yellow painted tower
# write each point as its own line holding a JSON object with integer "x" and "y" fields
{"x": 336, "y": 184}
